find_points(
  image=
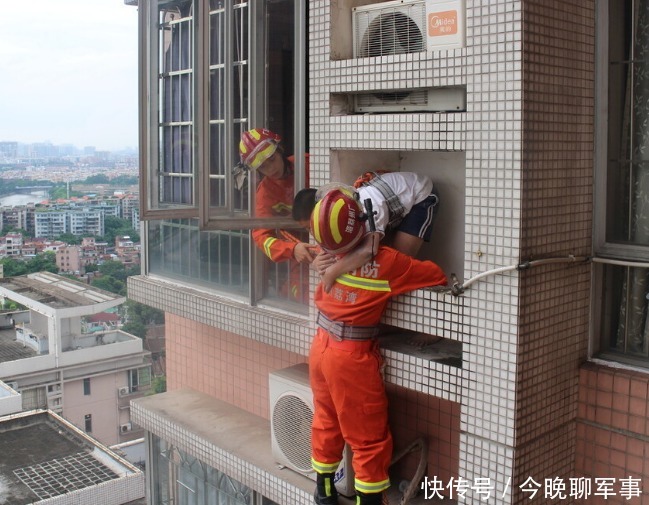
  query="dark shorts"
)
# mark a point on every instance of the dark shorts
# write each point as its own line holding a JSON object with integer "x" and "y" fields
{"x": 419, "y": 221}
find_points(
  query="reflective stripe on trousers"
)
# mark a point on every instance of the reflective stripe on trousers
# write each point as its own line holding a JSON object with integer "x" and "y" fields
{"x": 350, "y": 406}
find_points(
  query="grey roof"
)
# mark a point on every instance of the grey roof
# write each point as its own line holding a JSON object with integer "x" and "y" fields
{"x": 11, "y": 349}
{"x": 57, "y": 291}
{"x": 41, "y": 456}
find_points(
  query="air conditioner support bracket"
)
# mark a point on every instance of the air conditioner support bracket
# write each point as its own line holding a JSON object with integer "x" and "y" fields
{"x": 411, "y": 487}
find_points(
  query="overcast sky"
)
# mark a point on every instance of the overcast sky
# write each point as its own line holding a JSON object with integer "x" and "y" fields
{"x": 68, "y": 72}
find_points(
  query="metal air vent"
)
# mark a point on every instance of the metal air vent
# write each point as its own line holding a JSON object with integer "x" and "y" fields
{"x": 452, "y": 99}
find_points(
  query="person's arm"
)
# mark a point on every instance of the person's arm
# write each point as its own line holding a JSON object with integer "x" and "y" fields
{"x": 275, "y": 248}
{"x": 354, "y": 259}
{"x": 276, "y": 244}
{"x": 278, "y": 248}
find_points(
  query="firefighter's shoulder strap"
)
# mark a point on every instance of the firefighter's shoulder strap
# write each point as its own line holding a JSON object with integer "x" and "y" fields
{"x": 395, "y": 207}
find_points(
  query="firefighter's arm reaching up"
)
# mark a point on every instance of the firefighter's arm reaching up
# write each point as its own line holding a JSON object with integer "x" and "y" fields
{"x": 330, "y": 268}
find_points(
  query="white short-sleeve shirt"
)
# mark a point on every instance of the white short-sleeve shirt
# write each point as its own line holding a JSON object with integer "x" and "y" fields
{"x": 410, "y": 188}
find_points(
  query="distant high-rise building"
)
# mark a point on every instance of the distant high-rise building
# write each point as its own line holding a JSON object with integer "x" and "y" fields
{"x": 8, "y": 149}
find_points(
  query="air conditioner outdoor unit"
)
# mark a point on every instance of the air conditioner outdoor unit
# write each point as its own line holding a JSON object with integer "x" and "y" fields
{"x": 124, "y": 391}
{"x": 408, "y": 26}
{"x": 395, "y": 27}
{"x": 400, "y": 27}
{"x": 125, "y": 428}
{"x": 291, "y": 413}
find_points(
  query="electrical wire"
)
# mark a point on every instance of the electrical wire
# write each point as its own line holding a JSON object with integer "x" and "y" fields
{"x": 458, "y": 288}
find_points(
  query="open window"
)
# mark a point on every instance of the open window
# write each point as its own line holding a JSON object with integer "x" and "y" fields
{"x": 213, "y": 70}
{"x": 208, "y": 80}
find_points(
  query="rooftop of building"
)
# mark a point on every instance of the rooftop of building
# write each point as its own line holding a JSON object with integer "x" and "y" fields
{"x": 11, "y": 349}
{"x": 56, "y": 291}
{"x": 43, "y": 456}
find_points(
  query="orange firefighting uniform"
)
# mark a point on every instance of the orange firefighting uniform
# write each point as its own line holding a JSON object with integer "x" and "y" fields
{"x": 348, "y": 391}
{"x": 274, "y": 198}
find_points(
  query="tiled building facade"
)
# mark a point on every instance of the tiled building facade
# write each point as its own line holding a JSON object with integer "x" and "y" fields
{"x": 537, "y": 395}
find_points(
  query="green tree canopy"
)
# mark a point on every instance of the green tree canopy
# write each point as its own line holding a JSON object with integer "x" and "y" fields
{"x": 115, "y": 269}
{"x": 111, "y": 284}
{"x": 145, "y": 314}
{"x": 12, "y": 229}
{"x": 97, "y": 179}
{"x": 116, "y": 226}
{"x": 69, "y": 238}
{"x": 136, "y": 328}
{"x": 43, "y": 262}
{"x": 39, "y": 263}
{"x": 159, "y": 385}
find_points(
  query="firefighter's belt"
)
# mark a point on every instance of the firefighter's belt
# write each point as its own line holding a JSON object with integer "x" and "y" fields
{"x": 341, "y": 331}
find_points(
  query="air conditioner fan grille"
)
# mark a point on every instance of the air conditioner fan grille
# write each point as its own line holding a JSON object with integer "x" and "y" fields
{"x": 292, "y": 419}
{"x": 391, "y": 33}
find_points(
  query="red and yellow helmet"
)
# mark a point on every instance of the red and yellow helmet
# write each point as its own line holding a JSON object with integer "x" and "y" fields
{"x": 336, "y": 221}
{"x": 257, "y": 145}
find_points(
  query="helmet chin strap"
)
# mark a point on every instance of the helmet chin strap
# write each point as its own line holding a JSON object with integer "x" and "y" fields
{"x": 369, "y": 214}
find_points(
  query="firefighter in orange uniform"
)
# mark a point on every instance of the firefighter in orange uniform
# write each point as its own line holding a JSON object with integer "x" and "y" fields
{"x": 344, "y": 361}
{"x": 260, "y": 150}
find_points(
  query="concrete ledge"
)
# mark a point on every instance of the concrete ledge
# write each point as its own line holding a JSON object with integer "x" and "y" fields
{"x": 225, "y": 437}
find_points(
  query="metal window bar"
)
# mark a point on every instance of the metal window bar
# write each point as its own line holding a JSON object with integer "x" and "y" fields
{"x": 228, "y": 75}
{"x": 175, "y": 121}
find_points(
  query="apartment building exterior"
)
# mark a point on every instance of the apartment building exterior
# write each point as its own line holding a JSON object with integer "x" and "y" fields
{"x": 19, "y": 217}
{"x": 50, "y": 224}
{"x": 58, "y": 359}
{"x": 127, "y": 251}
{"x": 528, "y": 118}
{"x": 53, "y": 223}
{"x": 11, "y": 245}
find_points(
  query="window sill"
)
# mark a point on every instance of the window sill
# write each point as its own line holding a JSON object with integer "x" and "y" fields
{"x": 225, "y": 313}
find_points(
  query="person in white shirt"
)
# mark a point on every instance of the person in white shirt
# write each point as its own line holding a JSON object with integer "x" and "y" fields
{"x": 402, "y": 202}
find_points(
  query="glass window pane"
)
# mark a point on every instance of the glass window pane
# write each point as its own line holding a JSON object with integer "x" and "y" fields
{"x": 625, "y": 329}
{"x": 175, "y": 121}
{"x": 215, "y": 259}
{"x": 196, "y": 482}
{"x": 627, "y": 187}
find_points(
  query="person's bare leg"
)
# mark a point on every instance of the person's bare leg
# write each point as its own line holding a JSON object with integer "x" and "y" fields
{"x": 407, "y": 244}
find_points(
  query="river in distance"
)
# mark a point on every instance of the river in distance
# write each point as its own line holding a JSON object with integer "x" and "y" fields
{"x": 21, "y": 199}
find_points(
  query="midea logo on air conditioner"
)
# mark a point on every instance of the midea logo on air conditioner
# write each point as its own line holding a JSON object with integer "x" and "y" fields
{"x": 442, "y": 23}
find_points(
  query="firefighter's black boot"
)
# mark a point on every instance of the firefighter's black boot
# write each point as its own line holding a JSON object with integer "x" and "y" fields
{"x": 371, "y": 498}
{"x": 325, "y": 491}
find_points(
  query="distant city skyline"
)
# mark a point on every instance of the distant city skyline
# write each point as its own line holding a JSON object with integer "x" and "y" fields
{"x": 71, "y": 73}
{"x": 60, "y": 148}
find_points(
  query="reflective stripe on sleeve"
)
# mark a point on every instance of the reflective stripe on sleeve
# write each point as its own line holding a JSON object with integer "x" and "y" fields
{"x": 267, "y": 244}
{"x": 363, "y": 283}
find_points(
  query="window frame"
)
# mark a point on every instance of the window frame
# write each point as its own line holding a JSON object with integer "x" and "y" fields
{"x": 210, "y": 218}
{"x": 606, "y": 253}
{"x": 206, "y": 218}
